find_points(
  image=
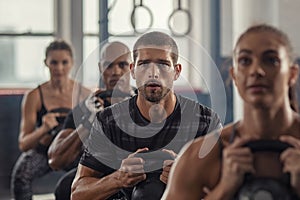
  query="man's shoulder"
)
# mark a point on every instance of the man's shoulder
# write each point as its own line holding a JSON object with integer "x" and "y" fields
{"x": 116, "y": 110}
{"x": 195, "y": 106}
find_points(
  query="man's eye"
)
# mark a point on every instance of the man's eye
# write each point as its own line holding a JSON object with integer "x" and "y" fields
{"x": 123, "y": 64}
{"x": 163, "y": 66}
{"x": 145, "y": 64}
{"x": 244, "y": 61}
{"x": 106, "y": 64}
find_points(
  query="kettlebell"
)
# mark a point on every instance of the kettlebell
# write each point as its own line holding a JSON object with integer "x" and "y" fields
{"x": 150, "y": 189}
{"x": 265, "y": 188}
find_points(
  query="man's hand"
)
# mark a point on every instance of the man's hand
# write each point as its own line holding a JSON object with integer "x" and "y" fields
{"x": 167, "y": 166}
{"x": 132, "y": 171}
{"x": 93, "y": 103}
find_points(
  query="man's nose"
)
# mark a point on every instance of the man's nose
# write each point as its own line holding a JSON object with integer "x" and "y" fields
{"x": 153, "y": 71}
{"x": 116, "y": 70}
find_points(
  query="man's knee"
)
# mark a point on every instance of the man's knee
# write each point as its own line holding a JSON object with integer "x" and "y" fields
{"x": 63, "y": 187}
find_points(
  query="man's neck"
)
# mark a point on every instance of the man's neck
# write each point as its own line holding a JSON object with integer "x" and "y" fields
{"x": 159, "y": 111}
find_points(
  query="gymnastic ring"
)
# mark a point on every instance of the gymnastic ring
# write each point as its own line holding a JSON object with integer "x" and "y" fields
{"x": 133, "y": 18}
{"x": 189, "y": 24}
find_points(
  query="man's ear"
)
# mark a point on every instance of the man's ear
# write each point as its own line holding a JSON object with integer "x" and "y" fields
{"x": 294, "y": 73}
{"x": 232, "y": 74}
{"x": 100, "y": 67}
{"x": 45, "y": 62}
{"x": 178, "y": 69}
{"x": 131, "y": 66}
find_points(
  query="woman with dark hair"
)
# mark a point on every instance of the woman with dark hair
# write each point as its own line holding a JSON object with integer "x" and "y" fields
{"x": 43, "y": 111}
{"x": 217, "y": 166}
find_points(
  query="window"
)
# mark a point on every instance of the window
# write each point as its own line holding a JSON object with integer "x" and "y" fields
{"x": 26, "y": 31}
{"x": 120, "y": 28}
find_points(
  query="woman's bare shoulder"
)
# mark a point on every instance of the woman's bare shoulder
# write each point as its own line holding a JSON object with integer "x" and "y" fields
{"x": 211, "y": 139}
{"x": 296, "y": 126}
{"x": 33, "y": 94}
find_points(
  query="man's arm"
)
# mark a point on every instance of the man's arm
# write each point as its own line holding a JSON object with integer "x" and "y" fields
{"x": 91, "y": 184}
{"x": 87, "y": 184}
{"x": 66, "y": 147}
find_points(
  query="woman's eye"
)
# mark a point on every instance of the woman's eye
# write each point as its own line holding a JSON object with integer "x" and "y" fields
{"x": 65, "y": 62}
{"x": 272, "y": 61}
{"x": 53, "y": 62}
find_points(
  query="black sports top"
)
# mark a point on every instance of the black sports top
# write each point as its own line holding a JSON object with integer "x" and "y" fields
{"x": 44, "y": 111}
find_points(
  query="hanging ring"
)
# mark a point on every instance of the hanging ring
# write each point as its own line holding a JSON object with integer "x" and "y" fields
{"x": 133, "y": 17}
{"x": 189, "y": 19}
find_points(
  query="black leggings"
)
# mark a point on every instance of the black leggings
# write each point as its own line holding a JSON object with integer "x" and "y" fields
{"x": 29, "y": 166}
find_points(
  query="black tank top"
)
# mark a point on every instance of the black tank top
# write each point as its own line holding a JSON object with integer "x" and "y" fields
{"x": 44, "y": 111}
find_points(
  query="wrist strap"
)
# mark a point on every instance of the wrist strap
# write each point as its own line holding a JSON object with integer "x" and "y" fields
{"x": 86, "y": 121}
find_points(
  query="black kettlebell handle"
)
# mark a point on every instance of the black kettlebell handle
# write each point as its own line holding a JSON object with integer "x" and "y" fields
{"x": 115, "y": 93}
{"x": 159, "y": 156}
{"x": 267, "y": 145}
{"x": 154, "y": 160}
{"x": 253, "y": 186}
{"x": 270, "y": 146}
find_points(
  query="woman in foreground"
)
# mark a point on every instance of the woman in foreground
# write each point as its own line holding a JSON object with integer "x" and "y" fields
{"x": 264, "y": 73}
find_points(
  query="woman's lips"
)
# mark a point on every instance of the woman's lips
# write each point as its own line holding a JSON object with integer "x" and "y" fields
{"x": 257, "y": 88}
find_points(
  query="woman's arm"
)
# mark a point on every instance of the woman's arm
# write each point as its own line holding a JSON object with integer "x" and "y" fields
{"x": 185, "y": 181}
{"x": 29, "y": 135}
{"x": 199, "y": 173}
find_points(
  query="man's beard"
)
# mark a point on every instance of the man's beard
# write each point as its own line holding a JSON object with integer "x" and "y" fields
{"x": 154, "y": 96}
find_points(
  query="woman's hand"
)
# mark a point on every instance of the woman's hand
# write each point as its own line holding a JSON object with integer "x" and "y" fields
{"x": 236, "y": 162}
{"x": 167, "y": 166}
{"x": 49, "y": 121}
{"x": 291, "y": 161}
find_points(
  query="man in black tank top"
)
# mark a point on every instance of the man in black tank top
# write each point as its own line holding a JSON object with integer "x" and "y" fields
{"x": 65, "y": 151}
{"x": 132, "y": 144}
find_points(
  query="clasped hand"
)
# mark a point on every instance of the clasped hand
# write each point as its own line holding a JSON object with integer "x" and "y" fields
{"x": 238, "y": 160}
{"x": 132, "y": 170}
{"x": 93, "y": 103}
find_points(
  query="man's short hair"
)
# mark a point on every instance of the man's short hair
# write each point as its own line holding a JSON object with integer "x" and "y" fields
{"x": 114, "y": 44}
{"x": 156, "y": 38}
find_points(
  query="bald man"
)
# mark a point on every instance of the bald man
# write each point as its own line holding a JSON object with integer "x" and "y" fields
{"x": 65, "y": 151}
